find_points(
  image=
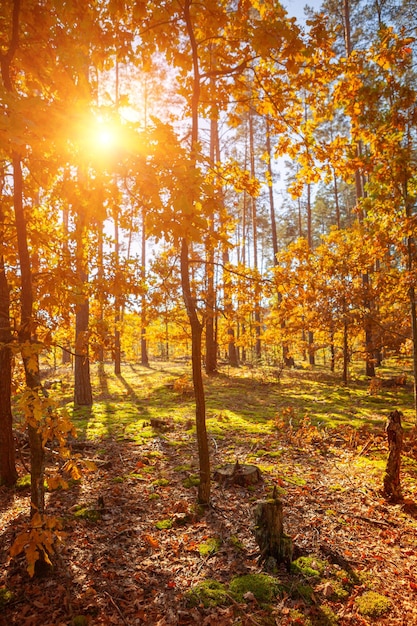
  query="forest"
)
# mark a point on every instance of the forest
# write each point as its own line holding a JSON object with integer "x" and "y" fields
{"x": 208, "y": 322}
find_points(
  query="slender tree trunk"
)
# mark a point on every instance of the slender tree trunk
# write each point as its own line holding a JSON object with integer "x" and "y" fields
{"x": 257, "y": 312}
{"x": 211, "y": 349}
{"x": 66, "y": 353}
{"x": 83, "y": 395}
{"x": 27, "y": 338}
{"x": 345, "y": 352}
{"x": 117, "y": 305}
{"x": 411, "y": 251}
{"x": 285, "y": 347}
{"x": 200, "y": 408}
{"x": 143, "y": 312}
{"x": 359, "y": 186}
{"x": 190, "y": 305}
{"x": 100, "y": 278}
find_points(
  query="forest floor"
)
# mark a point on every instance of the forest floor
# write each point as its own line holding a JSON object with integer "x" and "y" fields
{"x": 138, "y": 550}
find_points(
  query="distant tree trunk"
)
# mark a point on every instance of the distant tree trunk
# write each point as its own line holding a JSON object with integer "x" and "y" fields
{"x": 345, "y": 352}
{"x": 359, "y": 186}
{"x": 310, "y": 334}
{"x": 100, "y": 279}
{"x": 211, "y": 348}
{"x": 8, "y": 473}
{"x": 332, "y": 351}
{"x": 144, "y": 359}
{"x": 257, "y": 312}
{"x": 228, "y": 310}
{"x": 336, "y": 199}
{"x": 66, "y": 353}
{"x": 285, "y": 347}
{"x": 117, "y": 296}
{"x": 83, "y": 395}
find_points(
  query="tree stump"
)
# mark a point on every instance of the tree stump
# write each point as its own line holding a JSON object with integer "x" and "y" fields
{"x": 394, "y": 430}
{"x": 269, "y": 534}
{"x": 243, "y": 475}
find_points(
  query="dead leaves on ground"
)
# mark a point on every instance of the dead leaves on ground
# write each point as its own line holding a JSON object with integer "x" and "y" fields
{"x": 122, "y": 569}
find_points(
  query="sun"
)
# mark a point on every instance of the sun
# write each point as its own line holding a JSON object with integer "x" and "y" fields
{"x": 105, "y": 135}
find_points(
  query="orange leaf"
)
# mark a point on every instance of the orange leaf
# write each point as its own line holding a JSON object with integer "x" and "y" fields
{"x": 154, "y": 543}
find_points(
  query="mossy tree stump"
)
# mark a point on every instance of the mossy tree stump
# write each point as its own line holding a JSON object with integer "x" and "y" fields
{"x": 237, "y": 474}
{"x": 395, "y": 434}
{"x": 269, "y": 533}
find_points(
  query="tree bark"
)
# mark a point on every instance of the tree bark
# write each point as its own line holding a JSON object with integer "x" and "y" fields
{"x": 144, "y": 359}
{"x": 269, "y": 533}
{"x": 83, "y": 395}
{"x": 395, "y": 433}
{"x": 190, "y": 305}
{"x": 8, "y": 473}
{"x": 200, "y": 405}
{"x": 26, "y": 333}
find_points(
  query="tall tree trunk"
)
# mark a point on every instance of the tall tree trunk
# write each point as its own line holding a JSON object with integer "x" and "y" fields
{"x": 285, "y": 347}
{"x": 211, "y": 349}
{"x": 117, "y": 304}
{"x": 143, "y": 313}
{"x": 190, "y": 305}
{"x": 200, "y": 405}
{"x": 257, "y": 312}
{"x": 411, "y": 251}
{"x": 27, "y": 338}
{"x": 83, "y": 395}
{"x": 8, "y": 473}
{"x": 359, "y": 187}
{"x": 66, "y": 349}
{"x": 26, "y": 334}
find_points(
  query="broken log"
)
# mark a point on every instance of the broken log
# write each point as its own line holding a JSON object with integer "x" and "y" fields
{"x": 395, "y": 434}
{"x": 269, "y": 533}
{"x": 237, "y": 474}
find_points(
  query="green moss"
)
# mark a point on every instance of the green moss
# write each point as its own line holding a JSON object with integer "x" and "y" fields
{"x": 263, "y": 587}
{"x": 154, "y": 496}
{"x": 23, "y": 482}
{"x": 328, "y": 617}
{"x": 83, "y": 512}
{"x": 236, "y": 543}
{"x": 373, "y": 604}
{"x": 118, "y": 479}
{"x": 211, "y": 546}
{"x": 182, "y": 468}
{"x": 191, "y": 481}
{"x": 6, "y": 597}
{"x": 305, "y": 592}
{"x": 80, "y": 620}
{"x": 298, "y": 618}
{"x": 308, "y": 566}
{"x": 164, "y": 524}
{"x": 161, "y": 482}
{"x": 339, "y": 592}
{"x": 209, "y": 593}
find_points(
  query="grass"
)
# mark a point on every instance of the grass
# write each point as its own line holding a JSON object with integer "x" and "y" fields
{"x": 124, "y": 404}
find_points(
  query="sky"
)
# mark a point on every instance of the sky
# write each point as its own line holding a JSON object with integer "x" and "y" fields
{"x": 295, "y": 8}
